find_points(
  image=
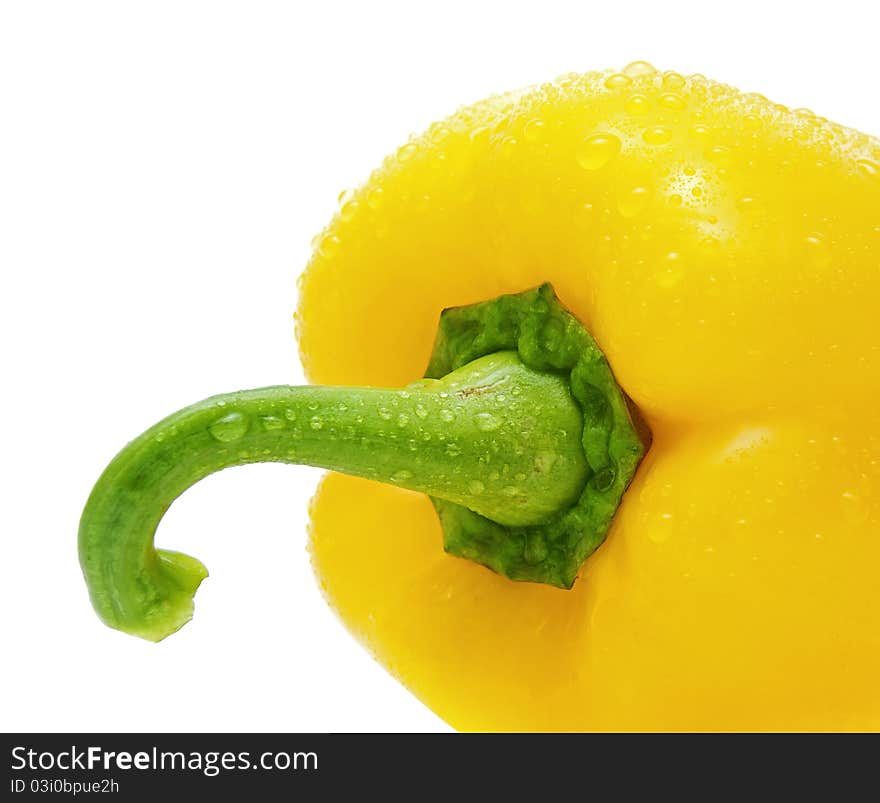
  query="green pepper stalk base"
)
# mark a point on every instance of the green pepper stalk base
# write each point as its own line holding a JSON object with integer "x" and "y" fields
{"x": 518, "y": 433}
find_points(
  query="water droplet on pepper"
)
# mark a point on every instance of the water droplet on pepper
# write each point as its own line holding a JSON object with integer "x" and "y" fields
{"x": 229, "y": 428}
{"x": 597, "y": 151}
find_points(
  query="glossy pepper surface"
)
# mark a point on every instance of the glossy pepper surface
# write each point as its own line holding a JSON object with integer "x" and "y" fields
{"x": 724, "y": 253}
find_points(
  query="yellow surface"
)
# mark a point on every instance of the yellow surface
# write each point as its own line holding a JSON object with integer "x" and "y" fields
{"x": 725, "y": 253}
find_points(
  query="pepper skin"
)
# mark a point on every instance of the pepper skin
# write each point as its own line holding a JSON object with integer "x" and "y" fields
{"x": 724, "y": 251}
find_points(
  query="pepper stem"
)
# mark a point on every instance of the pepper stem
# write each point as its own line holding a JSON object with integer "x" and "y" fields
{"x": 495, "y": 436}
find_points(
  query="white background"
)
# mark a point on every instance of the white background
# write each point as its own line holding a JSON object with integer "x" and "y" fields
{"x": 163, "y": 168}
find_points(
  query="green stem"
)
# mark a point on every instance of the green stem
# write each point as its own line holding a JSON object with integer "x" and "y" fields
{"x": 496, "y": 437}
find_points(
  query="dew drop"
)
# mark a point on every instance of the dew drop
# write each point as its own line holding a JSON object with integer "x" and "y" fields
{"x": 661, "y": 529}
{"x": 329, "y": 246}
{"x": 597, "y": 151}
{"x": 384, "y": 413}
{"x": 271, "y": 422}
{"x": 316, "y": 423}
{"x": 401, "y": 476}
{"x": 348, "y": 210}
{"x": 818, "y": 251}
{"x": 719, "y": 154}
{"x": 508, "y": 147}
{"x": 480, "y": 133}
{"x": 476, "y": 487}
{"x": 584, "y": 213}
{"x": 617, "y": 81}
{"x": 657, "y": 135}
{"x": 447, "y": 415}
{"x": 421, "y": 411}
{"x": 453, "y": 450}
{"x": 402, "y": 420}
{"x": 673, "y": 81}
{"x": 229, "y": 428}
{"x": 855, "y": 508}
{"x": 533, "y": 130}
{"x": 633, "y": 202}
{"x": 869, "y": 168}
{"x": 672, "y": 101}
{"x": 639, "y": 68}
{"x": 406, "y": 152}
{"x": 671, "y": 272}
{"x": 637, "y": 104}
{"x": 511, "y": 491}
{"x": 374, "y": 198}
{"x": 604, "y": 479}
{"x": 487, "y": 422}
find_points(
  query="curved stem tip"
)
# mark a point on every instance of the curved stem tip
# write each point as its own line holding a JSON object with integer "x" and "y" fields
{"x": 495, "y": 436}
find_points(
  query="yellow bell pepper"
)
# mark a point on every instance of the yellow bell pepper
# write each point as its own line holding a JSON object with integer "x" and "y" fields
{"x": 710, "y": 255}
{"x": 724, "y": 251}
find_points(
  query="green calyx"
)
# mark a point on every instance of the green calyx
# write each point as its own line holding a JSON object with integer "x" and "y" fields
{"x": 518, "y": 433}
{"x": 550, "y": 340}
